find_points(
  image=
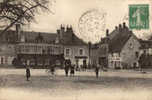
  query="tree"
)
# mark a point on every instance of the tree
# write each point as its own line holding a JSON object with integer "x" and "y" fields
{"x": 20, "y": 11}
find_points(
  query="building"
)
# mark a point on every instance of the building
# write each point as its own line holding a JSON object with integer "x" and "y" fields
{"x": 146, "y": 47}
{"x": 75, "y": 49}
{"x": 121, "y": 49}
{"x": 37, "y": 48}
{"x": 94, "y": 55}
{"x": 40, "y": 49}
{"x": 7, "y": 53}
{"x": 146, "y": 53}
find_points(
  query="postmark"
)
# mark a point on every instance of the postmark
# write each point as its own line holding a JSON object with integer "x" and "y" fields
{"x": 139, "y": 16}
{"x": 92, "y": 23}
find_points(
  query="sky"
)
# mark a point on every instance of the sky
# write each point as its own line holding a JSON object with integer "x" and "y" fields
{"x": 70, "y": 12}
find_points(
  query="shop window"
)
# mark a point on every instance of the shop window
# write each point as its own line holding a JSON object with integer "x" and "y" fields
{"x": 67, "y": 52}
{"x": 2, "y": 60}
{"x": 137, "y": 54}
{"x": 81, "y": 52}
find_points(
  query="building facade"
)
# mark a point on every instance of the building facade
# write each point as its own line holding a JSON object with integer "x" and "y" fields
{"x": 75, "y": 49}
{"x": 40, "y": 49}
{"x": 36, "y": 48}
{"x": 7, "y": 53}
{"x": 145, "y": 59}
{"x": 39, "y": 54}
{"x": 122, "y": 49}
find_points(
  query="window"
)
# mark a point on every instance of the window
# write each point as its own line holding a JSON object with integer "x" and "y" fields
{"x": 81, "y": 51}
{"x": 43, "y": 51}
{"x": 6, "y": 59}
{"x": 67, "y": 52}
{"x": 137, "y": 54}
{"x": 2, "y": 60}
{"x": 150, "y": 51}
{"x": 48, "y": 50}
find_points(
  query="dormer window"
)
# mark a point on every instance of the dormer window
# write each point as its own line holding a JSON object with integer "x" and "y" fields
{"x": 81, "y": 52}
{"x": 39, "y": 38}
{"x": 67, "y": 51}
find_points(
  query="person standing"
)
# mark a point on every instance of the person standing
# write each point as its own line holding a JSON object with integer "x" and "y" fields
{"x": 28, "y": 73}
{"x": 53, "y": 69}
{"x": 72, "y": 70}
{"x": 97, "y": 70}
{"x": 66, "y": 69}
{"x": 67, "y": 65}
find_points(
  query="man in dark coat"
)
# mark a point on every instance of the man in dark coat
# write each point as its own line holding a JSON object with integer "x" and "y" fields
{"x": 67, "y": 66}
{"x": 53, "y": 69}
{"x": 66, "y": 69}
{"x": 72, "y": 70}
{"x": 97, "y": 71}
{"x": 28, "y": 74}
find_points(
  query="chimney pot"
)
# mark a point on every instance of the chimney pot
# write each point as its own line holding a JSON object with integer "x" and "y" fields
{"x": 116, "y": 27}
{"x": 58, "y": 31}
{"x": 120, "y": 26}
{"x": 124, "y": 25}
{"x": 107, "y": 32}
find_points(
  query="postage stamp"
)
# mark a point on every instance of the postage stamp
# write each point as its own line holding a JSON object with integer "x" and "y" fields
{"x": 139, "y": 16}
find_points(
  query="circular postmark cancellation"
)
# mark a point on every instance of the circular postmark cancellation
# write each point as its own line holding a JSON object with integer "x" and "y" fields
{"x": 92, "y": 24}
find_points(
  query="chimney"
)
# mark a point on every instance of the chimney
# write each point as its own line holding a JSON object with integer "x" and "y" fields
{"x": 124, "y": 25}
{"x": 67, "y": 28}
{"x": 71, "y": 28}
{"x": 72, "y": 37}
{"x": 62, "y": 29}
{"x": 130, "y": 31}
{"x": 58, "y": 32}
{"x": 107, "y": 32}
{"x": 18, "y": 31}
{"x": 120, "y": 27}
{"x": 116, "y": 28}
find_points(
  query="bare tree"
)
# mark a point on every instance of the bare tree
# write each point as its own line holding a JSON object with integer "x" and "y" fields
{"x": 20, "y": 11}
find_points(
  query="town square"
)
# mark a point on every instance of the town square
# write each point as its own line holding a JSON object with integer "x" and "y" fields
{"x": 110, "y": 85}
{"x": 75, "y": 50}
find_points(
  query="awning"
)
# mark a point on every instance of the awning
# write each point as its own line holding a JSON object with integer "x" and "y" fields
{"x": 81, "y": 57}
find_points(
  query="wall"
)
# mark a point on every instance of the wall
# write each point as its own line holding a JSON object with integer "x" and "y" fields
{"x": 128, "y": 54}
{"x": 7, "y": 53}
{"x": 114, "y": 60}
{"x": 75, "y": 52}
{"x": 37, "y": 48}
{"x": 94, "y": 56}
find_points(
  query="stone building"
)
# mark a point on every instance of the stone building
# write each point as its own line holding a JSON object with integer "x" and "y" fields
{"x": 38, "y": 48}
{"x": 8, "y": 42}
{"x": 7, "y": 53}
{"x": 94, "y": 54}
{"x": 122, "y": 48}
{"x": 75, "y": 49}
{"x": 146, "y": 53}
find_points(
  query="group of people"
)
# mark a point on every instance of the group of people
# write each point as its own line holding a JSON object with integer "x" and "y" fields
{"x": 68, "y": 67}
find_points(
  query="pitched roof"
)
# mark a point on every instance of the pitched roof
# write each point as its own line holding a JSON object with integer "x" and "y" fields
{"x": 119, "y": 39}
{"x": 31, "y": 36}
{"x": 72, "y": 40}
{"x": 7, "y": 50}
{"x": 145, "y": 44}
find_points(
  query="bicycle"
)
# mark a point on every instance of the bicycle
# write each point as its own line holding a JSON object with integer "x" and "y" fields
{"x": 50, "y": 73}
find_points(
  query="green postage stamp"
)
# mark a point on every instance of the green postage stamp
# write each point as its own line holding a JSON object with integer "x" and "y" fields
{"x": 139, "y": 16}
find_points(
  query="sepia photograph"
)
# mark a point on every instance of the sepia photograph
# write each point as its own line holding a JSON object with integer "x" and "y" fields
{"x": 75, "y": 50}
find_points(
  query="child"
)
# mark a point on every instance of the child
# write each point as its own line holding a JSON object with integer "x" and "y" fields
{"x": 72, "y": 70}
